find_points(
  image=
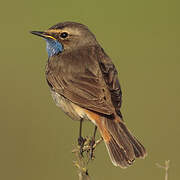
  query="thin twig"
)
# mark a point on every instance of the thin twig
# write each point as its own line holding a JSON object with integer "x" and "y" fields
{"x": 166, "y": 167}
{"x": 82, "y": 162}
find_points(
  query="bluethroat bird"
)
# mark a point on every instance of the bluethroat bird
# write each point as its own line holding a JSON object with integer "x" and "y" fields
{"x": 84, "y": 83}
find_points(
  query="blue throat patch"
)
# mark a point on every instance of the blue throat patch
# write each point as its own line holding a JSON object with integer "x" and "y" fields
{"x": 53, "y": 47}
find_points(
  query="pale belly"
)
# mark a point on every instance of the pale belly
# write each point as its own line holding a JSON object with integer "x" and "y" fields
{"x": 71, "y": 109}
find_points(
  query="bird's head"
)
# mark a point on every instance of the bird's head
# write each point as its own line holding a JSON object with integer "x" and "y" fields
{"x": 66, "y": 36}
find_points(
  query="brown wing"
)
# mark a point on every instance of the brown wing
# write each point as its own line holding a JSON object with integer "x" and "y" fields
{"x": 78, "y": 77}
{"x": 111, "y": 78}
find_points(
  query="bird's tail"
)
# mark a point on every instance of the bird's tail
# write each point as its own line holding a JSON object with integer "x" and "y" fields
{"x": 122, "y": 146}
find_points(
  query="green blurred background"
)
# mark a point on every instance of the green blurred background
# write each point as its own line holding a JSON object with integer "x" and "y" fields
{"x": 142, "y": 38}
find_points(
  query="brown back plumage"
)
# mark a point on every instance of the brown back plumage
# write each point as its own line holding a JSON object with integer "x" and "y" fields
{"x": 78, "y": 77}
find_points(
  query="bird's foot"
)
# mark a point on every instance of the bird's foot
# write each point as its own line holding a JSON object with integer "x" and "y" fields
{"x": 81, "y": 142}
{"x": 91, "y": 144}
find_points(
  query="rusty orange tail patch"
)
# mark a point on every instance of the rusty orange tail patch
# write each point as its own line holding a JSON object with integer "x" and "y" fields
{"x": 98, "y": 120}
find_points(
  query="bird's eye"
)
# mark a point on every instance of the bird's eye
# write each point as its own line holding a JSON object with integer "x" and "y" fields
{"x": 64, "y": 35}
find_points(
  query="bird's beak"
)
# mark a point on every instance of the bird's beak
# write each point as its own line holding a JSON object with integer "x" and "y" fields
{"x": 42, "y": 34}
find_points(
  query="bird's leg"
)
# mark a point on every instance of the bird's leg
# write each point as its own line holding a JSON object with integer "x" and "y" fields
{"x": 92, "y": 142}
{"x": 81, "y": 140}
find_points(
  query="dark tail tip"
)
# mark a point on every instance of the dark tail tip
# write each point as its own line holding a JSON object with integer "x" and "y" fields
{"x": 139, "y": 149}
{"x": 123, "y": 148}
{"x": 118, "y": 155}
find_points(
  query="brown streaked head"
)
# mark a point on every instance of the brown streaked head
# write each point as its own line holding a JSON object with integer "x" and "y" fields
{"x": 70, "y": 34}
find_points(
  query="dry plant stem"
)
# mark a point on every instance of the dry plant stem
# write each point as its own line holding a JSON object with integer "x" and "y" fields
{"x": 82, "y": 169}
{"x": 83, "y": 176}
{"x": 81, "y": 162}
{"x": 166, "y": 167}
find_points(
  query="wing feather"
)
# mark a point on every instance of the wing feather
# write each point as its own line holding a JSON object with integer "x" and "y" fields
{"x": 79, "y": 79}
